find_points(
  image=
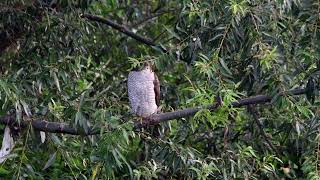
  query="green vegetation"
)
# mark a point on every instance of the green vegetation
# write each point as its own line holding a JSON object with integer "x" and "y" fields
{"x": 59, "y": 64}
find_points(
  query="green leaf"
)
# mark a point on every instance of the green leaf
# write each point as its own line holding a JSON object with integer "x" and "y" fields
{"x": 56, "y": 80}
{"x": 4, "y": 172}
{"x": 225, "y": 67}
{"x": 50, "y": 161}
{"x": 172, "y": 33}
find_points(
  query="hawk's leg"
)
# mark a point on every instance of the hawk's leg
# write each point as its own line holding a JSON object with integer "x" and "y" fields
{"x": 158, "y": 110}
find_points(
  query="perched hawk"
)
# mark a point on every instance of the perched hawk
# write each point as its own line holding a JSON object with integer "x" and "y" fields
{"x": 144, "y": 91}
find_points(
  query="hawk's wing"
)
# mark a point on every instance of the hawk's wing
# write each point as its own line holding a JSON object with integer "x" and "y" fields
{"x": 156, "y": 84}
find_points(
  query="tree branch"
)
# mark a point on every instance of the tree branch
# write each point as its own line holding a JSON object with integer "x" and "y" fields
{"x": 56, "y": 127}
{"x": 125, "y": 30}
{"x": 158, "y": 118}
{"x": 46, "y": 126}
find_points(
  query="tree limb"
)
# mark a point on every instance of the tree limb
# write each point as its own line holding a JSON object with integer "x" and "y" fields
{"x": 125, "y": 30}
{"x": 46, "y": 126}
{"x": 56, "y": 127}
{"x": 158, "y": 118}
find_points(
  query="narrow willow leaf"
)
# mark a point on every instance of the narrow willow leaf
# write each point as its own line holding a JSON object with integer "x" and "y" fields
{"x": 56, "y": 81}
{"x": 3, "y": 171}
{"x": 56, "y": 139}
{"x": 78, "y": 118}
{"x": 25, "y": 108}
{"x": 298, "y": 128}
{"x": 81, "y": 99}
{"x": 215, "y": 37}
{"x": 172, "y": 33}
{"x": 18, "y": 111}
{"x": 224, "y": 65}
{"x": 116, "y": 158}
{"x": 95, "y": 171}
{"x": 126, "y": 136}
{"x": 42, "y": 136}
{"x": 50, "y": 161}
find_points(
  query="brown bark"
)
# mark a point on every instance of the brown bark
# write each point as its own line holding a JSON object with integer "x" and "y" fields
{"x": 56, "y": 127}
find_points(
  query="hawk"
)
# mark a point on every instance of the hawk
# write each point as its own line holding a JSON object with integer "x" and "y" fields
{"x": 144, "y": 91}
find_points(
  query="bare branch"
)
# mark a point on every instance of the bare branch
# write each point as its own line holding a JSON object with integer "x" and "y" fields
{"x": 46, "y": 126}
{"x": 125, "y": 30}
{"x": 158, "y": 118}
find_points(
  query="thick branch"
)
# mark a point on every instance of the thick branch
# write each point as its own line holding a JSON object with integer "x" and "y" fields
{"x": 158, "y": 118}
{"x": 125, "y": 30}
{"x": 42, "y": 125}
{"x": 56, "y": 127}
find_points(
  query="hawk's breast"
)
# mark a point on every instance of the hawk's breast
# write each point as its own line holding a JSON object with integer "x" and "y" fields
{"x": 141, "y": 92}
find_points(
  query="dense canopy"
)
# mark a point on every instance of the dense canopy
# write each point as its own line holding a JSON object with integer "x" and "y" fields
{"x": 239, "y": 89}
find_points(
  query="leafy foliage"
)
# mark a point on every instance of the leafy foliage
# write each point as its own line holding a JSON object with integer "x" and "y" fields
{"x": 57, "y": 66}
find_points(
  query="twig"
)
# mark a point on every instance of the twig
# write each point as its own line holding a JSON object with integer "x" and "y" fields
{"x": 56, "y": 127}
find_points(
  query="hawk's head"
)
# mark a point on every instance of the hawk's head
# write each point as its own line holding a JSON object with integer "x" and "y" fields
{"x": 147, "y": 66}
